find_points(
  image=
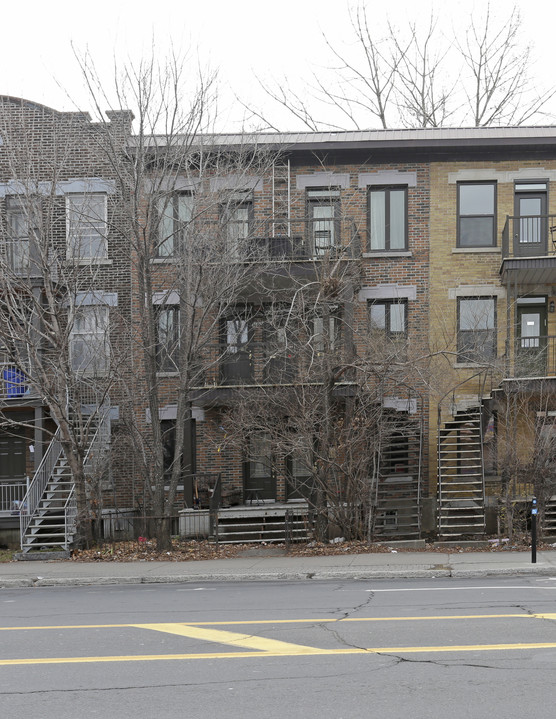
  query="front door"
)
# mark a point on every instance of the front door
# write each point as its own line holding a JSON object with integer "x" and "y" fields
{"x": 532, "y": 341}
{"x": 12, "y": 456}
{"x": 530, "y": 224}
{"x": 259, "y": 476}
{"x": 299, "y": 479}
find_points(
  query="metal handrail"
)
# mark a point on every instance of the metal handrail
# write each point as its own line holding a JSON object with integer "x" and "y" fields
{"x": 214, "y": 505}
{"x": 70, "y": 513}
{"x": 38, "y": 484}
{"x": 43, "y": 474}
{"x": 101, "y": 434}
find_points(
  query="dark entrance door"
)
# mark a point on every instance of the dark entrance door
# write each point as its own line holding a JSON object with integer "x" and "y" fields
{"x": 259, "y": 477}
{"x": 188, "y": 458}
{"x": 12, "y": 456}
{"x": 532, "y": 341}
{"x": 299, "y": 483}
{"x": 530, "y": 224}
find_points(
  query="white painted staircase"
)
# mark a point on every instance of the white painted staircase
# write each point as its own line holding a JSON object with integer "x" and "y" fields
{"x": 49, "y": 509}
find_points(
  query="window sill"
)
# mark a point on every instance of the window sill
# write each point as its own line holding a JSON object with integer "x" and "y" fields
{"x": 466, "y": 250}
{"x": 168, "y": 374}
{"x": 401, "y": 253}
{"x": 464, "y": 365}
{"x": 164, "y": 260}
{"x": 93, "y": 261}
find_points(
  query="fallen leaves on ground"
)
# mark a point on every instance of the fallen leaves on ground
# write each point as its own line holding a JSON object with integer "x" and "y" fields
{"x": 182, "y": 551}
{"x": 191, "y": 550}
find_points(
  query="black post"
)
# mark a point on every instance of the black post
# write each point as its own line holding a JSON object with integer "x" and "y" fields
{"x": 534, "y": 511}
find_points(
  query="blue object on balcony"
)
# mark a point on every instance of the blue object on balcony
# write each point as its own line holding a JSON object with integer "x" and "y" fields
{"x": 14, "y": 381}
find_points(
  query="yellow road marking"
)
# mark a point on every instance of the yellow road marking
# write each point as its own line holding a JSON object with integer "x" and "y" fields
{"x": 313, "y": 620}
{"x": 246, "y": 641}
{"x": 251, "y": 655}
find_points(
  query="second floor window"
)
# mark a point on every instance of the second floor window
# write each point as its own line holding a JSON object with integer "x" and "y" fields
{"x": 388, "y": 319}
{"x": 237, "y": 219}
{"x": 476, "y": 329}
{"x": 89, "y": 339}
{"x": 167, "y": 337}
{"x": 237, "y": 335}
{"x": 86, "y": 226}
{"x": 388, "y": 219}
{"x": 326, "y": 334}
{"x": 174, "y": 214}
{"x": 476, "y": 214}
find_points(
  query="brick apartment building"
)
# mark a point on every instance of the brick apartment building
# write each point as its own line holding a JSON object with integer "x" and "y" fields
{"x": 363, "y": 330}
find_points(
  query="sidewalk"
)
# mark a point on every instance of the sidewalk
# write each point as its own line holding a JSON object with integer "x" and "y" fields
{"x": 271, "y": 568}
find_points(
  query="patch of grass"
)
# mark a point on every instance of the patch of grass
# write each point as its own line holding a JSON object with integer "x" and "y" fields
{"x": 6, "y": 555}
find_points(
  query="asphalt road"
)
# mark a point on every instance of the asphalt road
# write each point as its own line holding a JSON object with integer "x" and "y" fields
{"x": 348, "y": 649}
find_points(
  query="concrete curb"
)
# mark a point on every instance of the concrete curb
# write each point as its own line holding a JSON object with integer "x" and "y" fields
{"x": 322, "y": 575}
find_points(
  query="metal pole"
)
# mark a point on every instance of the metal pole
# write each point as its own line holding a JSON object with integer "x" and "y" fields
{"x": 534, "y": 511}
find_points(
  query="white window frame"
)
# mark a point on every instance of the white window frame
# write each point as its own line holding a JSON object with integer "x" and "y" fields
{"x": 91, "y": 328}
{"x": 18, "y": 234}
{"x": 473, "y": 342}
{"x": 85, "y": 231}
{"x": 175, "y": 212}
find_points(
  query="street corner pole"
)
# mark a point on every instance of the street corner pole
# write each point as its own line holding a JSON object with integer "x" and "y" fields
{"x": 534, "y": 512}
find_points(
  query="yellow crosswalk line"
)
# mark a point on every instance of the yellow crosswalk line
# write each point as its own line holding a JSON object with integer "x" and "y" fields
{"x": 313, "y": 620}
{"x": 245, "y": 641}
{"x": 267, "y": 654}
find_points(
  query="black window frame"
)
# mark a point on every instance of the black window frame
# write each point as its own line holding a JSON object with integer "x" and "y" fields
{"x": 493, "y": 216}
{"x": 387, "y": 190}
{"x": 387, "y": 331}
{"x": 466, "y": 356}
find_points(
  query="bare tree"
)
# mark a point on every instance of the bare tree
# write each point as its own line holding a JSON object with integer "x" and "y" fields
{"x": 187, "y": 222}
{"x": 418, "y": 78}
{"x": 501, "y": 89}
{"x": 317, "y": 410}
{"x": 422, "y": 96}
{"x": 54, "y": 335}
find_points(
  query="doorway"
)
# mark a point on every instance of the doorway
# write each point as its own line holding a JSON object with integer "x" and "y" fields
{"x": 530, "y": 222}
{"x": 531, "y": 343}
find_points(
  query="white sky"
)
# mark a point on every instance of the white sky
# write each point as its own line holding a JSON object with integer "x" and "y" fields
{"x": 240, "y": 39}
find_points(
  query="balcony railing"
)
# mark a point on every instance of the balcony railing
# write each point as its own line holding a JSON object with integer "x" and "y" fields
{"x": 263, "y": 363}
{"x": 283, "y": 239}
{"x": 534, "y": 357}
{"x": 529, "y": 236}
{"x": 13, "y": 382}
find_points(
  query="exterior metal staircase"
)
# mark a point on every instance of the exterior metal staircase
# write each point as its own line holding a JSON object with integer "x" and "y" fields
{"x": 398, "y": 489}
{"x": 461, "y": 482}
{"x": 549, "y": 520}
{"x": 49, "y": 509}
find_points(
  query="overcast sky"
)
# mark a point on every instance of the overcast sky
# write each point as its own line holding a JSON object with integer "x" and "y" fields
{"x": 241, "y": 39}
